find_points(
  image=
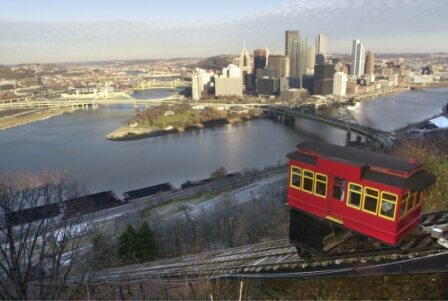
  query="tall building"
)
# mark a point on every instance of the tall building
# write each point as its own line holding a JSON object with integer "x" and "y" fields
{"x": 290, "y": 35}
{"x": 298, "y": 59}
{"x": 321, "y": 45}
{"x": 267, "y": 81}
{"x": 245, "y": 64}
{"x": 370, "y": 63}
{"x": 323, "y": 79}
{"x": 311, "y": 60}
{"x": 200, "y": 82}
{"x": 260, "y": 59}
{"x": 278, "y": 62}
{"x": 358, "y": 61}
{"x": 340, "y": 84}
{"x": 263, "y": 52}
{"x": 195, "y": 87}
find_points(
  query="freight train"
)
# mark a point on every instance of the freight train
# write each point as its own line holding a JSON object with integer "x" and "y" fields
{"x": 343, "y": 199}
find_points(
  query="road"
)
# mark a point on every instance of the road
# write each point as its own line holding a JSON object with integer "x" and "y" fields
{"x": 240, "y": 195}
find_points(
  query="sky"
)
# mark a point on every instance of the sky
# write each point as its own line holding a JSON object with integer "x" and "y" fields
{"x": 55, "y": 31}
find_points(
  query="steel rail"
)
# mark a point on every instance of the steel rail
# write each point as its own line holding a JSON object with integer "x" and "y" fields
{"x": 418, "y": 253}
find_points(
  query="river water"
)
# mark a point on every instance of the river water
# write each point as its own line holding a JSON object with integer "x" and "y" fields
{"x": 75, "y": 143}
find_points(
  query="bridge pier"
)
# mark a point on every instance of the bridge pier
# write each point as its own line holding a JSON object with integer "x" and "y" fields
{"x": 136, "y": 107}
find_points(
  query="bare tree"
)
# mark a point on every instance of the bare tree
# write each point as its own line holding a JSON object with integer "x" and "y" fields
{"x": 219, "y": 174}
{"x": 37, "y": 245}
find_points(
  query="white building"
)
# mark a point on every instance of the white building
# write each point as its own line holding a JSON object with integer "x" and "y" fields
{"x": 200, "y": 82}
{"x": 311, "y": 60}
{"x": 195, "y": 94}
{"x": 321, "y": 45}
{"x": 231, "y": 71}
{"x": 370, "y": 78}
{"x": 358, "y": 58}
{"x": 340, "y": 84}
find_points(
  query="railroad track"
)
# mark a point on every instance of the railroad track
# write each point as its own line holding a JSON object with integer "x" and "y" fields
{"x": 418, "y": 253}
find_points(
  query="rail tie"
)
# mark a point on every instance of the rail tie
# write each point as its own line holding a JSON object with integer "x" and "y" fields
{"x": 417, "y": 253}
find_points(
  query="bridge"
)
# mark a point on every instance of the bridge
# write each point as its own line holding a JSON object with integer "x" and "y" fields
{"x": 344, "y": 122}
{"x": 159, "y": 74}
{"x": 76, "y": 101}
{"x": 158, "y": 84}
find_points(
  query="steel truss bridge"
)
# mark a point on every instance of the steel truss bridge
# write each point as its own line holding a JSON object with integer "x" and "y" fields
{"x": 159, "y": 74}
{"x": 343, "y": 121}
{"x": 158, "y": 84}
{"x": 77, "y": 101}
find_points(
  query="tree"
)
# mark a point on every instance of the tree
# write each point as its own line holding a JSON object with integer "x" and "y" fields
{"x": 219, "y": 174}
{"x": 138, "y": 246}
{"x": 36, "y": 244}
{"x": 127, "y": 245}
{"x": 103, "y": 251}
{"x": 433, "y": 151}
{"x": 147, "y": 249}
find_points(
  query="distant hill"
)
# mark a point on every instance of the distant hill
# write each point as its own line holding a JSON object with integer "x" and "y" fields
{"x": 402, "y": 55}
{"x": 215, "y": 62}
{"x": 7, "y": 74}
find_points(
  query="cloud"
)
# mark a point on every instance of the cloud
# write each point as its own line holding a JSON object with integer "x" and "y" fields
{"x": 381, "y": 21}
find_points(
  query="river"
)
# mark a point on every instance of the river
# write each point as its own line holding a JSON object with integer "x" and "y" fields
{"x": 75, "y": 143}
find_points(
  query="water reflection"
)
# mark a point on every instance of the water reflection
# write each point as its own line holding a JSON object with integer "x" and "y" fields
{"x": 75, "y": 143}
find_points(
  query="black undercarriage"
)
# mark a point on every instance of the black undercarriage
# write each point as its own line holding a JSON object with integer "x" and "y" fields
{"x": 313, "y": 235}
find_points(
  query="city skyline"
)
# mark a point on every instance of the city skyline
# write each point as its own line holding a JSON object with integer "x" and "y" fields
{"x": 55, "y": 31}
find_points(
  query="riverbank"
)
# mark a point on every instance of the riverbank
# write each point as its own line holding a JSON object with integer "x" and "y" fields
{"x": 14, "y": 118}
{"x": 376, "y": 94}
{"x": 128, "y": 133}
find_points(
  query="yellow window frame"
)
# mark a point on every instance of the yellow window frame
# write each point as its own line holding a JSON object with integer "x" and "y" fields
{"x": 318, "y": 181}
{"x": 384, "y": 201}
{"x": 404, "y": 204}
{"x": 349, "y": 195}
{"x": 412, "y": 200}
{"x": 297, "y": 174}
{"x": 369, "y": 195}
{"x": 307, "y": 177}
{"x": 419, "y": 199}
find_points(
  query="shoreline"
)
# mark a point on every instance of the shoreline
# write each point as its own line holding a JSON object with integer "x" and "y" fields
{"x": 126, "y": 133}
{"x": 23, "y": 118}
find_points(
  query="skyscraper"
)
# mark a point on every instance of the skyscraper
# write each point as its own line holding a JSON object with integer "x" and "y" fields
{"x": 277, "y": 61}
{"x": 311, "y": 60}
{"x": 321, "y": 45}
{"x": 245, "y": 64}
{"x": 323, "y": 79}
{"x": 298, "y": 59}
{"x": 260, "y": 59}
{"x": 358, "y": 54}
{"x": 290, "y": 35}
{"x": 340, "y": 84}
{"x": 370, "y": 63}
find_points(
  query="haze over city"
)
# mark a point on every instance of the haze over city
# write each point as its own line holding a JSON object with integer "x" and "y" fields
{"x": 59, "y": 31}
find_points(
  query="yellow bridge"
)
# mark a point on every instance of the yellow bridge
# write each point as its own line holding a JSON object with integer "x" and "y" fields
{"x": 158, "y": 84}
{"x": 159, "y": 74}
{"x": 93, "y": 100}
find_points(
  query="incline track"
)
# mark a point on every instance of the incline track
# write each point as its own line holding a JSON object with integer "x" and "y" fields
{"x": 417, "y": 253}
